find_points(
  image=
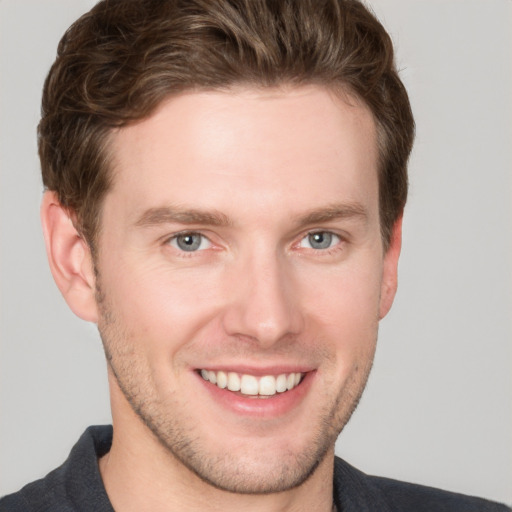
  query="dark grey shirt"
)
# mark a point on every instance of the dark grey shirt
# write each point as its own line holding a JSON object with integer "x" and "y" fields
{"x": 76, "y": 486}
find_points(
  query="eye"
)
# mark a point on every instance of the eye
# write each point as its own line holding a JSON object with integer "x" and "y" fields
{"x": 190, "y": 242}
{"x": 320, "y": 240}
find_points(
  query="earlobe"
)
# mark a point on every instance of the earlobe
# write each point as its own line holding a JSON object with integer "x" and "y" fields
{"x": 390, "y": 270}
{"x": 69, "y": 257}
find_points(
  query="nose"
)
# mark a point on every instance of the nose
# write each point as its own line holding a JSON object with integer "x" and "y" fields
{"x": 263, "y": 301}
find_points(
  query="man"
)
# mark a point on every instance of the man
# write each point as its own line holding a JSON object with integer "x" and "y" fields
{"x": 225, "y": 186}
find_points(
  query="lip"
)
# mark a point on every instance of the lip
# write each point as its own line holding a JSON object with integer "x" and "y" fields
{"x": 269, "y": 407}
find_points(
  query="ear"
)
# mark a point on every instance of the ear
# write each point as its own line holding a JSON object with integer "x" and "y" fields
{"x": 70, "y": 258}
{"x": 390, "y": 270}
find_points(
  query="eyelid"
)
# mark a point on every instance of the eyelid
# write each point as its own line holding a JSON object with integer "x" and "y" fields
{"x": 340, "y": 239}
{"x": 338, "y": 245}
{"x": 173, "y": 238}
{"x": 335, "y": 236}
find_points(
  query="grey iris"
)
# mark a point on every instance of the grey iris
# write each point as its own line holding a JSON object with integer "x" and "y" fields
{"x": 189, "y": 242}
{"x": 320, "y": 240}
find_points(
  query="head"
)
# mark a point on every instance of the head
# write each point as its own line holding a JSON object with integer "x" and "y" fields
{"x": 121, "y": 60}
{"x": 234, "y": 174}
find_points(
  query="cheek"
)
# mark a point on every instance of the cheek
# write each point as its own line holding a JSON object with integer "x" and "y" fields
{"x": 343, "y": 310}
{"x": 347, "y": 296}
{"x": 154, "y": 301}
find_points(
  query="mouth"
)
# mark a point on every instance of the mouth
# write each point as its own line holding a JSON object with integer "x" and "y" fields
{"x": 253, "y": 386}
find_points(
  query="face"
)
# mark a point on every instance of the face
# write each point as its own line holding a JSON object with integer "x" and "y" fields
{"x": 241, "y": 277}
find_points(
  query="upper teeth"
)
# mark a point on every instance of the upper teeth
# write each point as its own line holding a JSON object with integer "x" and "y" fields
{"x": 251, "y": 385}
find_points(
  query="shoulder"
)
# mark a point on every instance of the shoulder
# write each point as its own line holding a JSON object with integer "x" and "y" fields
{"x": 76, "y": 485}
{"x": 407, "y": 496}
{"x": 385, "y": 494}
{"x": 48, "y": 493}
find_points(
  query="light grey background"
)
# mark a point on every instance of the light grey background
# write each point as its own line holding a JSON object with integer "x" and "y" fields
{"x": 438, "y": 408}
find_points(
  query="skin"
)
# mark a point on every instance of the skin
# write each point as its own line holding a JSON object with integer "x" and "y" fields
{"x": 266, "y": 169}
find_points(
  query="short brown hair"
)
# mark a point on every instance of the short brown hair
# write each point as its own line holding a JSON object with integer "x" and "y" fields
{"x": 119, "y": 61}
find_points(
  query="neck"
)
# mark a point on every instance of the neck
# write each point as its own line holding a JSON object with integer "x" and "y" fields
{"x": 140, "y": 474}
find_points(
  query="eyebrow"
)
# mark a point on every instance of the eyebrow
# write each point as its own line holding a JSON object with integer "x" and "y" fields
{"x": 167, "y": 215}
{"x": 334, "y": 212}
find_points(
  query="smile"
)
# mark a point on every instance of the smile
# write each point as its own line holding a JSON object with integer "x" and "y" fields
{"x": 246, "y": 384}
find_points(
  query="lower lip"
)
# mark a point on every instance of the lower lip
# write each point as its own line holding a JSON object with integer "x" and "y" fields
{"x": 268, "y": 407}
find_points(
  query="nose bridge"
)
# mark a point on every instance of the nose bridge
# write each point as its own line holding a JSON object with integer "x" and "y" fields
{"x": 263, "y": 305}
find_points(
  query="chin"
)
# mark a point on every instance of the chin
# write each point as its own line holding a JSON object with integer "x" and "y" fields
{"x": 262, "y": 471}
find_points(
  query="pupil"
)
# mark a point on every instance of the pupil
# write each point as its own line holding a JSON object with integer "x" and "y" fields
{"x": 189, "y": 242}
{"x": 320, "y": 240}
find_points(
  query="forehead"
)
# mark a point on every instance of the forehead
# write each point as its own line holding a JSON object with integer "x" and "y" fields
{"x": 280, "y": 147}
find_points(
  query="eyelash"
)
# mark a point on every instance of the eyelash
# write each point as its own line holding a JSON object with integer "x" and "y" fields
{"x": 332, "y": 237}
{"x": 338, "y": 245}
{"x": 174, "y": 238}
